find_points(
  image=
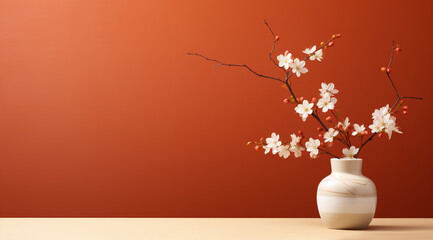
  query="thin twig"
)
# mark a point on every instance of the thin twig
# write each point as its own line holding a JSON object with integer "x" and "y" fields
{"x": 387, "y": 73}
{"x": 366, "y": 141}
{"x": 290, "y": 87}
{"x": 236, "y": 65}
{"x": 393, "y": 106}
{"x": 343, "y": 136}
{"x": 327, "y": 152}
{"x": 273, "y": 46}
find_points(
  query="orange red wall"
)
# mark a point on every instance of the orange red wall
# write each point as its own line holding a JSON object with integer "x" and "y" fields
{"x": 103, "y": 114}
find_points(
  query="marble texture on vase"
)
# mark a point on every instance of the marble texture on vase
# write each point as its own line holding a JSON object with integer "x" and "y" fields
{"x": 346, "y": 199}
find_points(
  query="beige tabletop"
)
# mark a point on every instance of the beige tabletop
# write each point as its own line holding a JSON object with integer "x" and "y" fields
{"x": 207, "y": 229}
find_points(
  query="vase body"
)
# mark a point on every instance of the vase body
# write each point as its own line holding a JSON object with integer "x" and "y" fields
{"x": 346, "y": 199}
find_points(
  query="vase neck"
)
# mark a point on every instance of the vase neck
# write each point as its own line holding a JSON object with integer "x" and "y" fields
{"x": 352, "y": 166}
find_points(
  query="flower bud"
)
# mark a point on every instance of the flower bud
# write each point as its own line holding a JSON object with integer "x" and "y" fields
{"x": 314, "y": 100}
{"x": 338, "y": 35}
{"x": 277, "y": 38}
{"x": 286, "y": 53}
{"x": 380, "y": 135}
{"x": 301, "y": 99}
{"x": 334, "y": 36}
{"x": 404, "y": 112}
{"x": 257, "y": 148}
{"x": 321, "y": 43}
{"x": 397, "y": 49}
{"x": 383, "y": 69}
{"x": 388, "y": 70}
{"x": 363, "y": 133}
{"x": 319, "y": 128}
{"x": 300, "y": 133}
{"x": 329, "y": 119}
{"x": 286, "y": 100}
{"x": 320, "y": 135}
{"x": 292, "y": 100}
{"x": 405, "y": 108}
{"x": 330, "y": 44}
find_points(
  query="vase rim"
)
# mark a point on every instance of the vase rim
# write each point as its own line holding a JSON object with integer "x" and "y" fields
{"x": 346, "y": 159}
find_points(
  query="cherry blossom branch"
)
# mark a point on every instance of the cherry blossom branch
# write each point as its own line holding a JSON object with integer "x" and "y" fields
{"x": 372, "y": 136}
{"x": 366, "y": 141}
{"x": 273, "y": 45}
{"x": 388, "y": 72}
{"x": 289, "y": 74}
{"x": 324, "y": 151}
{"x": 307, "y": 57}
{"x": 343, "y": 136}
{"x": 316, "y": 116}
{"x": 286, "y": 81}
{"x": 400, "y": 98}
{"x": 235, "y": 65}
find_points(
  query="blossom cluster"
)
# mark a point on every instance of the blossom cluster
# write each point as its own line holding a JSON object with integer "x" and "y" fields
{"x": 383, "y": 122}
{"x": 276, "y": 146}
{"x": 298, "y": 66}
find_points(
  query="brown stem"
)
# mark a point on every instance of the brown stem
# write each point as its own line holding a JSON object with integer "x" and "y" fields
{"x": 324, "y": 151}
{"x": 366, "y": 141}
{"x": 343, "y": 136}
{"x": 319, "y": 120}
{"x": 387, "y": 73}
{"x": 273, "y": 46}
{"x": 400, "y": 98}
{"x": 236, "y": 65}
{"x": 290, "y": 87}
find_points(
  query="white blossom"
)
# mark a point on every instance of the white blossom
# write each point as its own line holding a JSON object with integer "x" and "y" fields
{"x": 285, "y": 60}
{"x": 350, "y": 152}
{"x": 392, "y": 128}
{"x": 380, "y": 113}
{"x": 284, "y": 151}
{"x": 313, "y": 147}
{"x": 298, "y": 67}
{"x": 295, "y": 139}
{"x": 330, "y": 134}
{"x": 328, "y": 88}
{"x": 272, "y": 143}
{"x": 383, "y": 121}
{"x": 326, "y": 102}
{"x": 375, "y": 127}
{"x": 304, "y": 109}
{"x": 314, "y": 54}
{"x": 357, "y": 129}
{"x": 344, "y": 125}
{"x": 295, "y": 147}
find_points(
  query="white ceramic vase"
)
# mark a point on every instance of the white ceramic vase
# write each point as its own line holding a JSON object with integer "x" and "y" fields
{"x": 346, "y": 199}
